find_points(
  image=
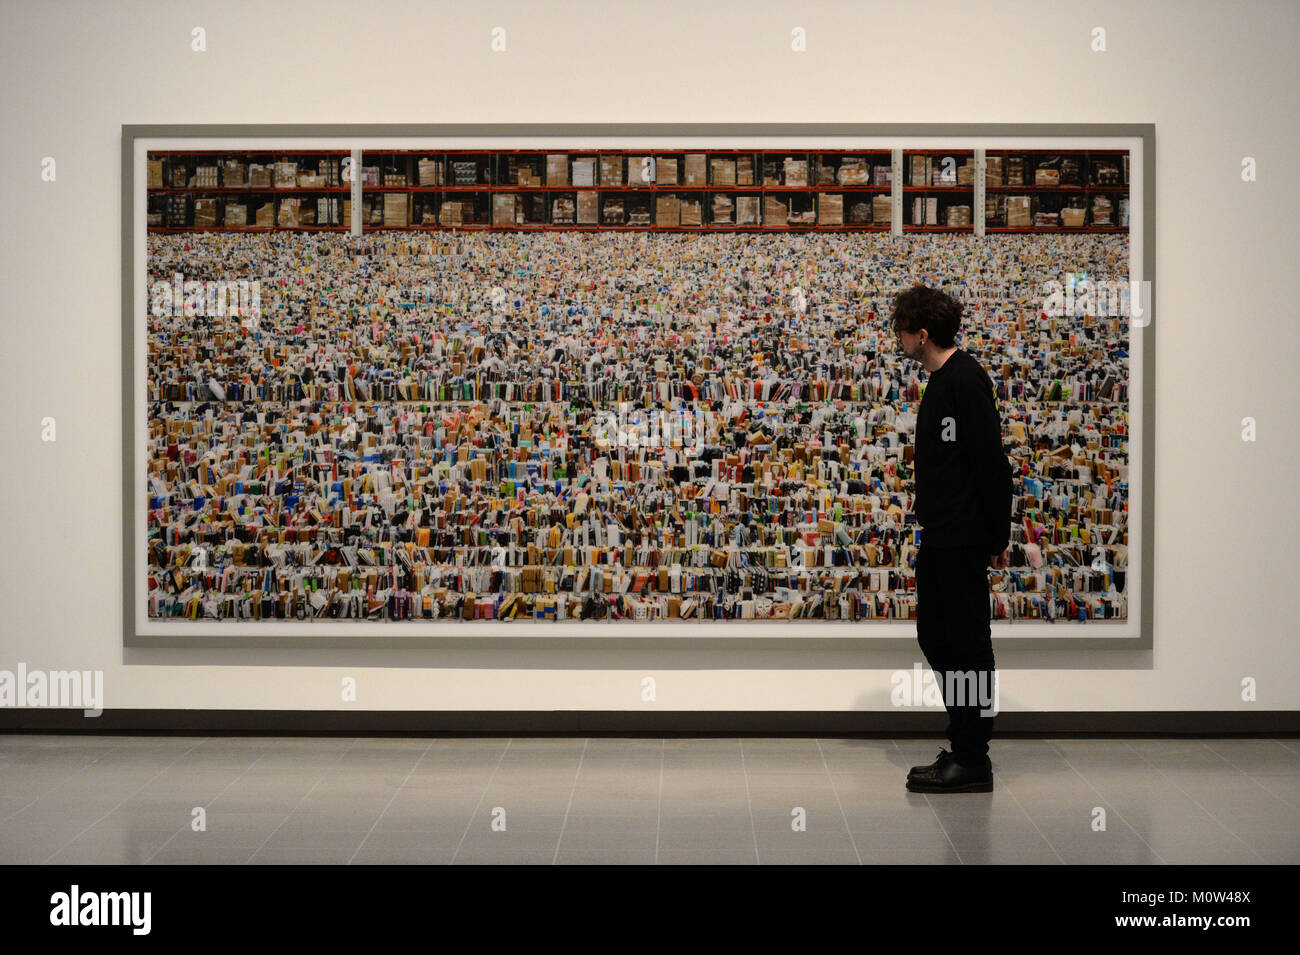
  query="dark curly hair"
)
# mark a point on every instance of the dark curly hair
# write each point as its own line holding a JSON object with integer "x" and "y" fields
{"x": 929, "y": 308}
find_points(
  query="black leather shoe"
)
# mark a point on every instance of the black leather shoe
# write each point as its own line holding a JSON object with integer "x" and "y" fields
{"x": 952, "y": 777}
{"x": 929, "y": 770}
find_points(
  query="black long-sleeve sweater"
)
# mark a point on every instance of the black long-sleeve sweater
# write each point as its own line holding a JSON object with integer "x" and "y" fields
{"x": 963, "y": 478}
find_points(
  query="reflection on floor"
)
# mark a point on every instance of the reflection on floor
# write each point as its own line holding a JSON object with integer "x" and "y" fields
{"x": 132, "y": 799}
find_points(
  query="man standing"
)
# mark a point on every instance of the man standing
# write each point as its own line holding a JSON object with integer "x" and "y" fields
{"x": 963, "y": 503}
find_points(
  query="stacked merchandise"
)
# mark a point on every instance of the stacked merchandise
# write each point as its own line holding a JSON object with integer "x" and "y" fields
{"x": 503, "y": 209}
{"x": 289, "y": 217}
{"x": 179, "y": 175}
{"x": 1105, "y": 172}
{"x": 1048, "y": 172}
{"x": 429, "y": 172}
{"x": 860, "y": 213}
{"x": 520, "y": 172}
{"x": 153, "y": 174}
{"x": 1046, "y": 220}
{"x": 370, "y": 176}
{"x": 747, "y": 210}
{"x": 392, "y": 178}
{"x": 925, "y": 210}
{"x": 692, "y": 212}
{"x": 584, "y": 171}
{"x": 328, "y": 170}
{"x": 286, "y": 175}
{"x": 612, "y": 213}
{"x": 451, "y": 213}
{"x": 775, "y": 212}
{"x": 205, "y": 177}
{"x": 464, "y": 172}
{"x": 1074, "y": 214}
{"x": 1018, "y": 211}
{"x": 796, "y": 172}
{"x": 1070, "y": 171}
{"x": 722, "y": 208}
{"x": 992, "y": 170}
{"x": 958, "y": 215}
{"x": 668, "y": 211}
{"x": 882, "y": 210}
{"x": 310, "y": 180}
{"x": 966, "y": 173}
{"x": 995, "y": 209}
{"x": 454, "y": 462}
{"x": 397, "y": 209}
{"x": 259, "y": 176}
{"x": 744, "y": 170}
{"x": 327, "y": 210}
{"x": 640, "y": 170}
{"x": 232, "y": 173}
{"x": 563, "y": 210}
{"x": 1015, "y": 170}
{"x": 235, "y": 214}
{"x": 557, "y": 169}
{"x": 854, "y": 171}
{"x": 639, "y": 213}
{"x": 830, "y": 209}
{"x": 588, "y": 208}
{"x": 1101, "y": 210}
{"x": 771, "y": 172}
{"x": 724, "y": 172}
{"x": 265, "y": 216}
{"x": 665, "y": 171}
{"x": 176, "y": 210}
{"x": 1123, "y": 212}
{"x": 823, "y": 174}
{"x": 611, "y": 170}
{"x": 696, "y": 170}
{"x": 205, "y": 213}
{"x": 884, "y": 175}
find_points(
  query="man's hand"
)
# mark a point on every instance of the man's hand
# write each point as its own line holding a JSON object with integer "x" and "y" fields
{"x": 999, "y": 561}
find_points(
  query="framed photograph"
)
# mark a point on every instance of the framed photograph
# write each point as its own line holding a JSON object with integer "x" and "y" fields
{"x": 611, "y": 385}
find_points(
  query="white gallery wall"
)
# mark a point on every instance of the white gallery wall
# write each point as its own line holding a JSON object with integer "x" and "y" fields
{"x": 1220, "y": 83}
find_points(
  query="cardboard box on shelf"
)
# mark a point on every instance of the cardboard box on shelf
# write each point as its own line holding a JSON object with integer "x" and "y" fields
{"x": 722, "y": 209}
{"x": 830, "y": 209}
{"x": 266, "y": 214}
{"x": 588, "y": 208}
{"x": 697, "y": 173}
{"x": 1101, "y": 210}
{"x": 310, "y": 180}
{"x": 235, "y": 214}
{"x": 796, "y": 172}
{"x": 206, "y": 177}
{"x": 919, "y": 169}
{"x": 883, "y": 175}
{"x": 1047, "y": 177}
{"x": 288, "y": 215}
{"x": 854, "y": 171}
{"x": 966, "y": 173}
{"x": 640, "y": 170}
{"x": 327, "y": 210}
{"x": 744, "y": 170}
{"x": 1018, "y": 211}
{"x": 1015, "y": 167}
{"x": 503, "y": 209}
{"x": 205, "y": 212}
{"x": 747, "y": 210}
{"x": 562, "y": 211}
{"x": 557, "y": 169}
{"x": 451, "y": 213}
{"x": 724, "y": 172}
{"x": 429, "y": 172}
{"x": 1073, "y": 217}
{"x": 584, "y": 171}
{"x": 775, "y": 212}
{"x": 958, "y": 215}
{"x": 882, "y": 210}
{"x": 992, "y": 170}
{"x": 612, "y": 213}
{"x": 397, "y": 209}
{"x": 692, "y": 212}
{"x": 178, "y": 175}
{"x": 259, "y": 176}
{"x": 611, "y": 170}
{"x": 153, "y": 174}
{"x": 666, "y": 170}
{"x": 233, "y": 173}
{"x": 668, "y": 210}
{"x": 286, "y": 175}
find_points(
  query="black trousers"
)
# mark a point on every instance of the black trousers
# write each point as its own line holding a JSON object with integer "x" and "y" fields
{"x": 952, "y": 626}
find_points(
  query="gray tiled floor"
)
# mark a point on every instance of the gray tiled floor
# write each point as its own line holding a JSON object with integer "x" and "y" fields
{"x": 128, "y": 799}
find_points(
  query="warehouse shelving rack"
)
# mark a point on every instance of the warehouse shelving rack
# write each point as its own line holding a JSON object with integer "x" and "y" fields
{"x": 539, "y": 198}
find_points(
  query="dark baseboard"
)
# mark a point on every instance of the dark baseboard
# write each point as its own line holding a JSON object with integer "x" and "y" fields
{"x": 640, "y": 723}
